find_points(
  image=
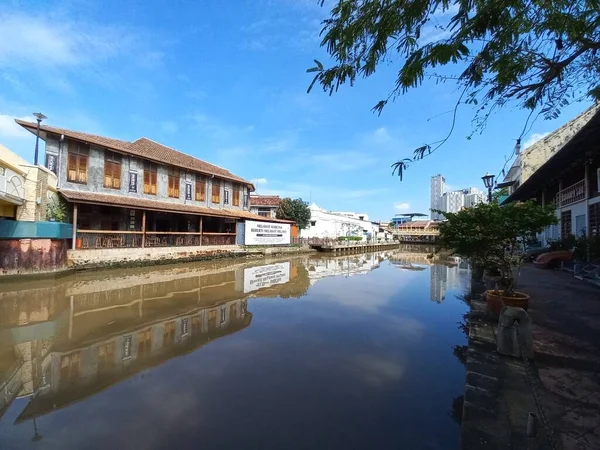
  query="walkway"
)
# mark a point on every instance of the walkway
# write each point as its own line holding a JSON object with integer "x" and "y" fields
{"x": 566, "y": 318}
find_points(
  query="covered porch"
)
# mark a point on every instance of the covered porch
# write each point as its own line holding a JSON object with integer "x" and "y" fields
{"x": 101, "y": 226}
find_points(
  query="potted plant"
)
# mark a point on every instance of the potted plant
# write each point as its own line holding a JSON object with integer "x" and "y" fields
{"x": 496, "y": 238}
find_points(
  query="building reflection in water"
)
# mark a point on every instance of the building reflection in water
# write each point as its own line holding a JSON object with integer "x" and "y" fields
{"x": 64, "y": 340}
{"x": 451, "y": 275}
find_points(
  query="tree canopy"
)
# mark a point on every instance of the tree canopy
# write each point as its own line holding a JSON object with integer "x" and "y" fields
{"x": 495, "y": 236}
{"x": 296, "y": 210}
{"x": 541, "y": 54}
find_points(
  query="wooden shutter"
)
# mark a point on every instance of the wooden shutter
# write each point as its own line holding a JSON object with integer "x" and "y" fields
{"x": 72, "y": 166}
{"x": 236, "y": 197}
{"x": 200, "y": 191}
{"x": 82, "y": 176}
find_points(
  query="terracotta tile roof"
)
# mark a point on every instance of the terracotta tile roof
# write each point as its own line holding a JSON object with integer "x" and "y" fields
{"x": 265, "y": 200}
{"x": 145, "y": 148}
{"x": 144, "y": 203}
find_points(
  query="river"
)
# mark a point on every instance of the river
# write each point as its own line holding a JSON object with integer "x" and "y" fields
{"x": 314, "y": 352}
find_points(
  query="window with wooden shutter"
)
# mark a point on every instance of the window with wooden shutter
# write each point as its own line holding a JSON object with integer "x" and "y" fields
{"x": 236, "y": 197}
{"x": 112, "y": 170}
{"x": 200, "y": 190}
{"x": 174, "y": 182}
{"x": 226, "y": 196}
{"x": 216, "y": 192}
{"x": 150, "y": 178}
{"x": 77, "y": 163}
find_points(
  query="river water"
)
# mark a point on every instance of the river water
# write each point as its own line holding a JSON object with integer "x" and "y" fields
{"x": 361, "y": 351}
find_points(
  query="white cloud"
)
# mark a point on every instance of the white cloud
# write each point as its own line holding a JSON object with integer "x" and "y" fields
{"x": 532, "y": 139}
{"x": 402, "y": 206}
{"x": 381, "y": 136}
{"x": 260, "y": 181}
{"x": 9, "y": 129}
{"x": 27, "y": 41}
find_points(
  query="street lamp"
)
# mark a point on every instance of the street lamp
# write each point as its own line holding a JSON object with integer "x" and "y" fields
{"x": 488, "y": 181}
{"x": 39, "y": 117}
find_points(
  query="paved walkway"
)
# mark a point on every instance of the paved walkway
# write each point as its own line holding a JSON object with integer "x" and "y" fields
{"x": 566, "y": 331}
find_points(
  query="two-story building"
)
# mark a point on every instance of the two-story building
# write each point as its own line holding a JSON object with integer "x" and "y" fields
{"x": 570, "y": 180}
{"x": 144, "y": 194}
{"x": 264, "y": 205}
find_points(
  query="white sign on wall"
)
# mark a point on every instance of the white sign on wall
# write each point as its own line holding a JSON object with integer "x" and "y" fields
{"x": 266, "y": 276}
{"x": 265, "y": 233}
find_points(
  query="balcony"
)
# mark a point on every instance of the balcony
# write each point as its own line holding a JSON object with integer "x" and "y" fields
{"x": 573, "y": 194}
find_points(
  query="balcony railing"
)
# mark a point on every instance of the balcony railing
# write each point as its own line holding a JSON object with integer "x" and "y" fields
{"x": 573, "y": 194}
{"x": 99, "y": 239}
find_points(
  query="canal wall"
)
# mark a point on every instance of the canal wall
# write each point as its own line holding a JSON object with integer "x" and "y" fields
{"x": 497, "y": 395}
{"x": 132, "y": 257}
{"x": 33, "y": 247}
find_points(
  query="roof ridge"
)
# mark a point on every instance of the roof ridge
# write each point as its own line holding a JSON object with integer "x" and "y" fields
{"x": 50, "y": 127}
{"x": 179, "y": 151}
{"x": 566, "y": 125}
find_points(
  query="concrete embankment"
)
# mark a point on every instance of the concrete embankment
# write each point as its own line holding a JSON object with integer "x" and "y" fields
{"x": 97, "y": 259}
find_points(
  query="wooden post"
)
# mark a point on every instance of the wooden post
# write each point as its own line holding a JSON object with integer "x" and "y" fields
{"x": 200, "y": 231}
{"x": 73, "y": 244}
{"x": 143, "y": 228}
{"x": 587, "y": 196}
{"x": 544, "y": 197}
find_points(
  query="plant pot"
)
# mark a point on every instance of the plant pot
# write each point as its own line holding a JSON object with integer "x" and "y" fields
{"x": 496, "y": 300}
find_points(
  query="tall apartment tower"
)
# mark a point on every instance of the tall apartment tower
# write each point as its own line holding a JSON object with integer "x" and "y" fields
{"x": 438, "y": 186}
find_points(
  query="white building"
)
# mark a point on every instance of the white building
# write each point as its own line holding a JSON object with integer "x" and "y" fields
{"x": 329, "y": 224}
{"x": 474, "y": 198}
{"x": 438, "y": 186}
{"x": 453, "y": 201}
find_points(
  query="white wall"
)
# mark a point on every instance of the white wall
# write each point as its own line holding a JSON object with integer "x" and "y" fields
{"x": 331, "y": 225}
{"x": 577, "y": 209}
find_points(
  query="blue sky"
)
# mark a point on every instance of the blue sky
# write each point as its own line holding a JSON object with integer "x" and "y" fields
{"x": 226, "y": 82}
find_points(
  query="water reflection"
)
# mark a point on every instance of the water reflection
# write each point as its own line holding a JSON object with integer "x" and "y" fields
{"x": 66, "y": 341}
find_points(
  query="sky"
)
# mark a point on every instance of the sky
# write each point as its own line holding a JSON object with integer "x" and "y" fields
{"x": 226, "y": 82}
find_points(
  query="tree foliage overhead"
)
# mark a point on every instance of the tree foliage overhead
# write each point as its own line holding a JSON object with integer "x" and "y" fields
{"x": 541, "y": 54}
{"x": 296, "y": 210}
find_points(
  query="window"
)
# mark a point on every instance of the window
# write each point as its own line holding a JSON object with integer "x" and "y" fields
{"x": 212, "y": 317}
{"x": 150, "y": 178}
{"x": 236, "y": 197}
{"x": 313, "y": 223}
{"x": 188, "y": 190}
{"x": 106, "y": 356}
{"x": 264, "y": 213}
{"x": 245, "y": 200}
{"x": 226, "y": 196}
{"x": 112, "y": 170}
{"x": 169, "y": 333}
{"x": 173, "y": 182}
{"x": 70, "y": 366}
{"x": 78, "y": 163}
{"x": 200, "y": 190}
{"x": 196, "y": 323}
{"x": 216, "y": 192}
{"x": 144, "y": 342}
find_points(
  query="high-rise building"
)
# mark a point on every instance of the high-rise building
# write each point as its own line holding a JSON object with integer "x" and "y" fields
{"x": 453, "y": 201}
{"x": 438, "y": 186}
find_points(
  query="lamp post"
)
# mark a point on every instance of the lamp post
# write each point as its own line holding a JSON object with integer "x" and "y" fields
{"x": 39, "y": 117}
{"x": 488, "y": 181}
